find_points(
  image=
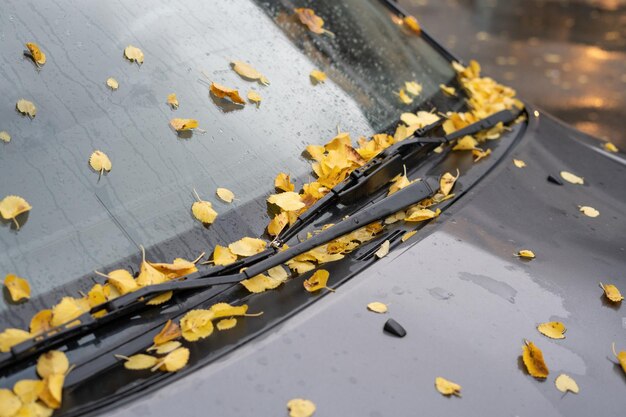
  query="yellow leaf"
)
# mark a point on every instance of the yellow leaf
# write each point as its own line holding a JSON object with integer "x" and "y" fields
{"x": 411, "y": 23}
{"x": 519, "y": 163}
{"x": 574, "y": 179}
{"x": 36, "y": 54}
{"x": 196, "y": 325}
{"x": 96, "y": 295}
{"x": 203, "y": 211}
{"x": 9, "y": 403}
{"x": 28, "y": 390}
{"x": 399, "y": 182}
{"x": 466, "y": 143}
{"x": 278, "y": 223}
{"x": 174, "y": 361}
{"x": 133, "y": 54}
{"x": 383, "y": 250}
{"x": 223, "y": 256}
{"x": 288, "y": 201}
{"x": 225, "y": 194}
{"x": 413, "y": 88}
{"x": 612, "y": 292}
{"x": 123, "y": 281}
{"x": 254, "y": 97}
{"x": 100, "y": 162}
{"x": 621, "y": 357}
{"x": 260, "y": 283}
{"x": 533, "y": 359}
{"x": 246, "y": 71}
{"x": 178, "y": 268}
{"x": 18, "y": 287}
{"x": 552, "y": 329}
{"x": 318, "y": 76}
{"x": 221, "y": 91}
{"x": 566, "y": 383}
{"x": 52, "y": 392}
{"x": 26, "y": 107}
{"x": 404, "y": 97}
{"x": 161, "y": 298}
{"x": 480, "y": 154}
{"x": 172, "y": 101}
{"x": 12, "y": 206}
{"x": 35, "y": 409}
{"x": 317, "y": 281}
{"x": 377, "y": 307}
{"x": 451, "y": 91}
{"x": 68, "y": 309}
{"x": 446, "y": 182}
{"x": 420, "y": 215}
{"x": 5, "y": 137}
{"x": 299, "y": 407}
{"x": 446, "y": 387}
{"x": 526, "y": 254}
{"x": 408, "y": 235}
{"x": 589, "y": 211}
{"x": 138, "y": 362}
{"x": 112, "y": 83}
{"x": 148, "y": 274}
{"x": 181, "y": 125}
{"x": 283, "y": 182}
{"x": 166, "y": 347}
{"x": 169, "y": 332}
{"x": 52, "y": 362}
{"x": 226, "y": 324}
{"x": 11, "y": 337}
{"x": 41, "y": 322}
{"x": 311, "y": 20}
{"x": 610, "y": 147}
{"x": 247, "y": 246}
{"x": 278, "y": 273}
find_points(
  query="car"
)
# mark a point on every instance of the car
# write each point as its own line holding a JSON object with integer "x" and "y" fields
{"x": 267, "y": 207}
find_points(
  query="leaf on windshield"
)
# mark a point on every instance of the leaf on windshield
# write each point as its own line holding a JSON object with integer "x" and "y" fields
{"x": 100, "y": 162}
{"x": 10, "y": 404}
{"x": 173, "y": 361}
{"x": 552, "y": 329}
{"x": 203, "y": 210}
{"x": 232, "y": 94}
{"x": 288, "y": 201}
{"x": 283, "y": 182}
{"x": 254, "y": 97}
{"x": 41, "y": 322}
{"x": 446, "y": 387}
{"x": 419, "y": 215}
{"x": 259, "y": 283}
{"x": 68, "y": 309}
{"x": 247, "y": 246}
{"x": 621, "y": 357}
{"x": 138, "y": 362}
{"x": 172, "y": 101}
{"x": 404, "y": 97}
{"x": 412, "y": 24}
{"x": 311, "y": 20}
{"x": 36, "y": 54}
{"x": 419, "y": 119}
{"x": 566, "y": 383}
{"x": 399, "y": 182}
{"x": 446, "y": 182}
{"x": 112, "y": 83}
{"x": 166, "y": 347}
{"x": 525, "y": 254}
{"x": 52, "y": 392}
{"x": 612, "y": 293}
{"x": 299, "y": 407}
{"x": 246, "y": 71}
{"x": 278, "y": 223}
{"x": 52, "y": 362}
{"x": 589, "y": 211}
{"x": 317, "y": 76}
{"x": 196, "y": 325}
{"x": 11, "y": 337}
{"x": 466, "y": 143}
{"x": 226, "y": 324}
{"x": 28, "y": 391}
{"x": 225, "y": 194}
{"x": 148, "y": 274}
{"x": 133, "y": 54}
{"x": 451, "y": 91}
{"x": 171, "y": 331}
{"x": 414, "y": 88}
{"x": 383, "y": 250}
{"x": 610, "y": 147}
{"x": 19, "y": 288}
{"x": 122, "y": 280}
{"x": 220, "y": 310}
{"x": 533, "y": 360}
{"x": 12, "y": 206}
{"x": 317, "y": 281}
{"x": 519, "y": 163}
{"x": 160, "y": 299}
{"x": 26, "y": 107}
{"x": 479, "y": 154}
{"x": 5, "y": 137}
{"x": 377, "y": 307}
{"x": 180, "y": 125}
{"x": 222, "y": 256}
{"x": 178, "y": 268}
{"x": 571, "y": 178}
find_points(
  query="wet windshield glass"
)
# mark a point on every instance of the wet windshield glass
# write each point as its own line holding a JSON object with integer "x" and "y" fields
{"x": 80, "y": 223}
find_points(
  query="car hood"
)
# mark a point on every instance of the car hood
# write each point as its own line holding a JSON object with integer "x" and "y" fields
{"x": 466, "y": 302}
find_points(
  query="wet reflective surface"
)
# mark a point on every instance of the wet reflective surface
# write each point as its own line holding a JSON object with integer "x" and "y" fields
{"x": 568, "y": 57}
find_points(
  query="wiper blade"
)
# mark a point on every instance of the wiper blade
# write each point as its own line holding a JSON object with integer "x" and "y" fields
{"x": 131, "y": 302}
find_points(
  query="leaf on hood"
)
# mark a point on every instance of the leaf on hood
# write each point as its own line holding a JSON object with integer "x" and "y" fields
{"x": 533, "y": 359}
{"x": 612, "y": 293}
{"x": 247, "y": 246}
{"x": 19, "y": 288}
{"x": 52, "y": 392}
{"x": 526, "y": 254}
{"x": 446, "y": 182}
{"x": 5, "y": 137}
{"x": 26, "y": 107}
{"x": 173, "y": 361}
{"x": 133, "y": 54}
{"x": 246, "y": 71}
{"x": 589, "y": 211}
{"x": 408, "y": 235}
{"x": 138, "y": 362}
{"x": 552, "y": 329}
{"x": 112, "y": 83}
{"x": 420, "y": 215}
{"x": 12, "y": 206}
{"x": 299, "y": 407}
{"x": 28, "y": 391}
{"x": 288, "y": 201}
{"x": 479, "y": 154}
{"x": 254, "y": 97}
{"x": 412, "y": 24}
{"x": 308, "y": 18}
{"x": 519, "y": 163}
{"x": 166, "y": 347}
{"x": 377, "y": 307}
{"x": 164, "y": 297}
{"x": 36, "y": 54}
{"x": 11, "y": 337}
{"x": 574, "y": 179}
{"x": 52, "y": 362}
{"x": 566, "y": 383}
{"x": 383, "y": 250}
{"x": 221, "y": 91}
{"x": 451, "y": 91}
{"x": 226, "y": 324}
{"x": 259, "y": 283}
{"x": 610, "y": 147}
{"x": 446, "y": 387}
{"x": 9, "y": 403}
{"x": 317, "y": 281}
{"x": 172, "y": 101}
{"x": 399, "y": 182}
{"x": 621, "y": 357}
{"x": 68, "y": 309}
{"x": 318, "y": 76}
{"x": 100, "y": 162}
{"x": 283, "y": 182}
{"x": 225, "y": 194}
{"x": 220, "y": 310}
{"x": 466, "y": 143}
{"x": 170, "y": 331}
{"x": 203, "y": 210}
{"x": 180, "y": 125}
{"x": 196, "y": 325}
{"x": 223, "y": 256}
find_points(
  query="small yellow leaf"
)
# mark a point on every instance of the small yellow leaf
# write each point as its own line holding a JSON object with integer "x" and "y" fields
{"x": 28, "y": 390}
{"x": 519, "y": 163}
{"x": 34, "y": 409}
{"x": 552, "y": 329}
{"x": 589, "y": 211}
{"x": 479, "y": 154}
{"x": 278, "y": 223}
{"x": 225, "y": 194}
{"x": 446, "y": 387}
{"x": 52, "y": 392}
{"x": 574, "y": 179}
{"x": 526, "y": 254}
{"x": 133, "y": 54}
{"x": 408, "y": 235}
{"x": 451, "y": 91}
{"x": 138, "y": 362}
{"x": 180, "y": 125}
{"x": 174, "y": 361}
{"x": 223, "y": 256}
{"x": 68, "y": 309}
{"x": 226, "y": 324}
{"x": 446, "y": 182}
{"x": 383, "y": 250}
{"x": 148, "y": 274}
{"x": 161, "y": 298}
{"x": 172, "y": 101}
{"x": 221, "y": 91}
{"x": 9, "y": 403}
{"x": 12, "y": 206}
{"x": 411, "y": 23}
{"x": 246, "y": 71}
{"x": 166, "y": 347}
{"x": 299, "y": 407}
{"x": 288, "y": 201}
{"x": 254, "y": 97}
{"x": 26, "y": 107}
{"x": 18, "y": 287}
{"x": 318, "y": 76}
{"x": 413, "y": 88}
{"x": 566, "y": 383}
{"x": 112, "y": 83}
{"x": 41, "y": 322}
{"x": 612, "y": 292}
{"x": 169, "y": 332}
{"x": 247, "y": 246}
{"x": 196, "y": 325}
{"x": 123, "y": 281}
{"x": 466, "y": 143}
{"x": 11, "y": 337}
{"x": 610, "y": 147}
{"x": 203, "y": 211}
{"x": 283, "y": 182}
{"x": 100, "y": 162}
{"x": 36, "y": 54}
{"x": 317, "y": 281}
{"x": 621, "y": 357}
{"x": 377, "y": 307}
{"x": 311, "y": 20}
{"x": 404, "y": 97}
{"x": 420, "y": 215}
{"x": 533, "y": 359}
{"x": 52, "y": 362}
{"x": 259, "y": 283}
{"x": 5, "y": 137}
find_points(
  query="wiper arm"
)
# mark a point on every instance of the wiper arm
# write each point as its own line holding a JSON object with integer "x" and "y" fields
{"x": 131, "y": 302}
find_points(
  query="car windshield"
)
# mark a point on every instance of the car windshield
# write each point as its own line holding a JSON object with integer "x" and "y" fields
{"x": 80, "y": 222}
